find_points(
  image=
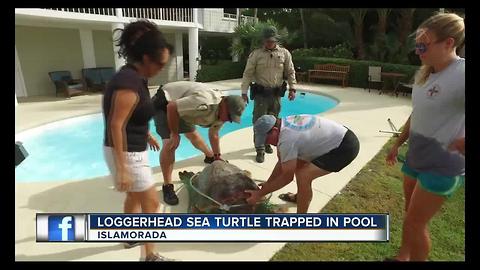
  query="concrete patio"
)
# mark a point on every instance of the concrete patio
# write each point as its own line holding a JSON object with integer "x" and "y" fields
{"x": 365, "y": 113}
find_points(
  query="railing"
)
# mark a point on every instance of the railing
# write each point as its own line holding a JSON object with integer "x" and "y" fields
{"x": 97, "y": 11}
{"x": 244, "y": 19}
{"x": 165, "y": 14}
{"x": 230, "y": 16}
{"x": 248, "y": 19}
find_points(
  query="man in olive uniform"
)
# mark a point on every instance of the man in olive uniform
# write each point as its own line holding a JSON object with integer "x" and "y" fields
{"x": 179, "y": 106}
{"x": 268, "y": 67}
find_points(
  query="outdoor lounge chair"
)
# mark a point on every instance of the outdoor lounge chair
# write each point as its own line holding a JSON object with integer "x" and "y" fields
{"x": 65, "y": 84}
{"x": 96, "y": 79}
{"x": 375, "y": 77}
{"x": 404, "y": 88}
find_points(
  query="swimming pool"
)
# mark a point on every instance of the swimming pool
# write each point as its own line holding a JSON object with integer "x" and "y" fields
{"x": 71, "y": 149}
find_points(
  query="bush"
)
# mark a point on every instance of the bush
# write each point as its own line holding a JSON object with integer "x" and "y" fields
{"x": 223, "y": 70}
{"x": 358, "y": 76}
{"x": 339, "y": 51}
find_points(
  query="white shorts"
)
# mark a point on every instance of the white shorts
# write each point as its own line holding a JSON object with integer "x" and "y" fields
{"x": 138, "y": 165}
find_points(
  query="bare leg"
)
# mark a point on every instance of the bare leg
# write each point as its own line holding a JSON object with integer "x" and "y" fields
{"x": 408, "y": 187}
{"x": 149, "y": 203}
{"x": 423, "y": 206}
{"x": 198, "y": 142}
{"x": 305, "y": 175}
{"x": 132, "y": 204}
{"x": 167, "y": 158}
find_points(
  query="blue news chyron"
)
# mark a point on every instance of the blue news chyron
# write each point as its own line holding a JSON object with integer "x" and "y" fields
{"x": 67, "y": 227}
{"x": 372, "y": 221}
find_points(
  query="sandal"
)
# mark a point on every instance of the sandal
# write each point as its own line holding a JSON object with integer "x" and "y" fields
{"x": 288, "y": 197}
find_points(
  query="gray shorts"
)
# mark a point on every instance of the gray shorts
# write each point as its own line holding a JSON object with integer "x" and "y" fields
{"x": 161, "y": 125}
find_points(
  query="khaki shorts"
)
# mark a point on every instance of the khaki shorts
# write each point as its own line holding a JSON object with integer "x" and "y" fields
{"x": 161, "y": 125}
{"x": 137, "y": 164}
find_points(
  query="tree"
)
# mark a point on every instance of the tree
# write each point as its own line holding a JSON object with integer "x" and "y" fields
{"x": 382, "y": 20}
{"x": 304, "y": 27}
{"x": 249, "y": 35}
{"x": 378, "y": 50}
{"x": 358, "y": 15}
{"x": 404, "y": 22}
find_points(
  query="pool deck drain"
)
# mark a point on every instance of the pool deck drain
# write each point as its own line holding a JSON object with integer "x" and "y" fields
{"x": 365, "y": 113}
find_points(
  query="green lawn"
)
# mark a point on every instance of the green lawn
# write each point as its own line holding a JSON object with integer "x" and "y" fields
{"x": 378, "y": 189}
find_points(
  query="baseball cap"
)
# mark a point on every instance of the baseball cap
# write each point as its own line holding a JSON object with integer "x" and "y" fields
{"x": 261, "y": 127}
{"x": 236, "y": 106}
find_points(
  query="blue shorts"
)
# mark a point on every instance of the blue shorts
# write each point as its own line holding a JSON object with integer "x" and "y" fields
{"x": 435, "y": 183}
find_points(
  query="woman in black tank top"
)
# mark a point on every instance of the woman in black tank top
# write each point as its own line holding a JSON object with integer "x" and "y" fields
{"x": 127, "y": 109}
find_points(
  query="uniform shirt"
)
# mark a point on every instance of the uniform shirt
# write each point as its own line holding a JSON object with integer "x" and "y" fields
{"x": 268, "y": 68}
{"x": 197, "y": 104}
{"x": 438, "y": 118}
{"x": 137, "y": 125}
{"x": 307, "y": 137}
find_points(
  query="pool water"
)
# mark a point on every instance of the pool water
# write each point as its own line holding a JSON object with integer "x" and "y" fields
{"x": 72, "y": 149}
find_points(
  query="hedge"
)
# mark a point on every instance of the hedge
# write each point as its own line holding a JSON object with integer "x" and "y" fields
{"x": 223, "y": 70}
{"x": 226, "y": 70}
{"x": 358, "y": 76}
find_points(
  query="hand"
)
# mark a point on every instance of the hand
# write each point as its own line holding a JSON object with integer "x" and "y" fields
{"x": 458, "y": 145}
{"x": 153, "y": 143}
{"x": 174, "y": 141}
{"x": 291, "y": 94}
{"x": 254, "y": 196}
{"x": 392, "y": 156}
{"x": 124, "y": 180}
{"x": 245, "y": 98}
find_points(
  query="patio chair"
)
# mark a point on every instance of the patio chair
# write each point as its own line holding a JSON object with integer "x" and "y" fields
{"x": 375, "y": 77}
{"x": 65, "y": 84}
{"x": 96, "y": 79}
{"x": 404, "y": 87}
{"x": 107, "y": 74}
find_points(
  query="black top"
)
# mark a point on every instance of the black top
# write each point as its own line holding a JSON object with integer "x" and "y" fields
{"x": 137, "y": 125}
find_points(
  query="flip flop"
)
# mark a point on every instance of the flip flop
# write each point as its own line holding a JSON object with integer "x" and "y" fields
{"x": 288, "y": 197}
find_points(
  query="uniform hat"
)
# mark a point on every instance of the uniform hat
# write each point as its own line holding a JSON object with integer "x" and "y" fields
{"x": 270, "y": 33}
{"x": 236, "y": 106}
{"x": 261, "y": 127}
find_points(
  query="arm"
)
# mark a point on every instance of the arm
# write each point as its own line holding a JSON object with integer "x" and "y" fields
{"x": 285, "y": 173}
{"x": 214, "y": 140}
{"x": 403, "y": 137}
{"x": 124, "y": 102}
{"x": 248, "y": 73}
{"x": 289, "y": 71}
{"x": 278, "y": 168}
{"x": 458, "y": 145}
{"x": 276, "y": 172}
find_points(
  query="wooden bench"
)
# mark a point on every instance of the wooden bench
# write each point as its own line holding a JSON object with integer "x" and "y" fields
{"x": 331, "y": 72}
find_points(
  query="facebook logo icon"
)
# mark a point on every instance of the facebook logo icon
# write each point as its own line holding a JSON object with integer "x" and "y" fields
{"x": 61, "y": 228}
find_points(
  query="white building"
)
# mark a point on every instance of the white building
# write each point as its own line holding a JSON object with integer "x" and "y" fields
{"x": 53, "y": 39}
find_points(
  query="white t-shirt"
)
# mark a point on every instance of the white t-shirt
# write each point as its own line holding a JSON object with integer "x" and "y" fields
{"x": 307, "y": 137}
{"x": 438, "y": 118}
